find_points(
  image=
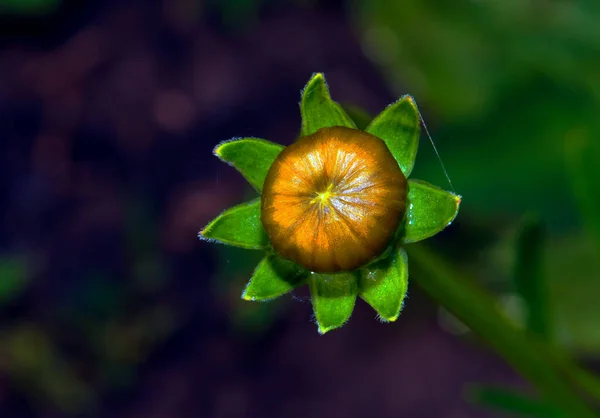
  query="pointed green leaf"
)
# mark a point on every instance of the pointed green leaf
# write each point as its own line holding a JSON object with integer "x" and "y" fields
{"x": 383, "y": 285}
{"x": 239, "y": 226}
{"x": 398, "y": 126}
{"x": 430, "y": 209}
{"x": 318, "y": 110}
{"x": 333, "y": 297}
{"x": 274, "y": 277}
{"x": 250, "y": 156}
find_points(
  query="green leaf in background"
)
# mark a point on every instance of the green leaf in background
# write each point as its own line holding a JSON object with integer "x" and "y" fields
{"x": 250, "y": 156}
{"x": 509, "y": 401}
{"x": 273, "y": 277}
{"x": 384, "y": 284}
{"x": 584, "y": 379}
{"x": 30, "y": 357}
{"x": 529, "y": 279}
{"x": 360, "y": 116}
{"x": 13, "y": 279}
{"x": 333, "y": 297}
{"x": 318, "y": 110}
{"x": 479, "y": 311}
{"x": 29, "y": 6}
{"x": 537, "y": 90}
{"x": 528, "y": 99}
{"x": 239, "y": 226}
{"x": 430, "y": 210}
{"x": 583, "y": 159}
{"x": 238, "y": 15}
{"x": 571, "y": 271}
{"x": 142, "y": 243}
{"x": 398, "y": 126}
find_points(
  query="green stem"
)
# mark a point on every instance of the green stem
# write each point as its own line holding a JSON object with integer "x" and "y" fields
{"x": 478, "y": 310}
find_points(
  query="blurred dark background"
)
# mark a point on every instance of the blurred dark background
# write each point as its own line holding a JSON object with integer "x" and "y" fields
{"x": 109, "y": 111}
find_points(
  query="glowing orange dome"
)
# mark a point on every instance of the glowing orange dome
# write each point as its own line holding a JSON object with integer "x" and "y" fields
{"x": 333, "y": 200}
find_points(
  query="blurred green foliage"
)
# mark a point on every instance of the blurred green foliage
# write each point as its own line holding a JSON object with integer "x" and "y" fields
{"x": 552, "y": 372}
{"x": 529, "y": 279}
{"x": 512, "y": 402}
{"x": 97, "y": 335}
{"x": 511, "y": 92}
{"x": 505, "y": 82}
{"x": 33, "y": 7}
{"x": 14, "y": 278}
{"x": 583, "y": 154}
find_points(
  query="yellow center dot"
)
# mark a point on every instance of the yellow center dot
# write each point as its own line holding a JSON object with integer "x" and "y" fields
{"x": 333, "y": 200}
{"x": 323, "y": 198}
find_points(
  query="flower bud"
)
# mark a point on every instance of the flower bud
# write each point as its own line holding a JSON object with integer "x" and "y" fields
{"x": 333, "y": 200}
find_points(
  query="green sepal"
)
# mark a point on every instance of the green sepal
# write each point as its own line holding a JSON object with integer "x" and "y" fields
{"x": 398, "y": 126}
{"x": 239, "y": 226}
{"x": 250, "y": 156}
{"x": 318, "y": 110}
{"x": 333, "y": 297}
{"x": 273, "y": 277}
{"x": 384, "y": 284}
{"x": 429, "y": 210}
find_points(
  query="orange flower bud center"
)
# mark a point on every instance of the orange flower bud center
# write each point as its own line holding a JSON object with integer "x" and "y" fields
{"x": 333, "y": 200}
